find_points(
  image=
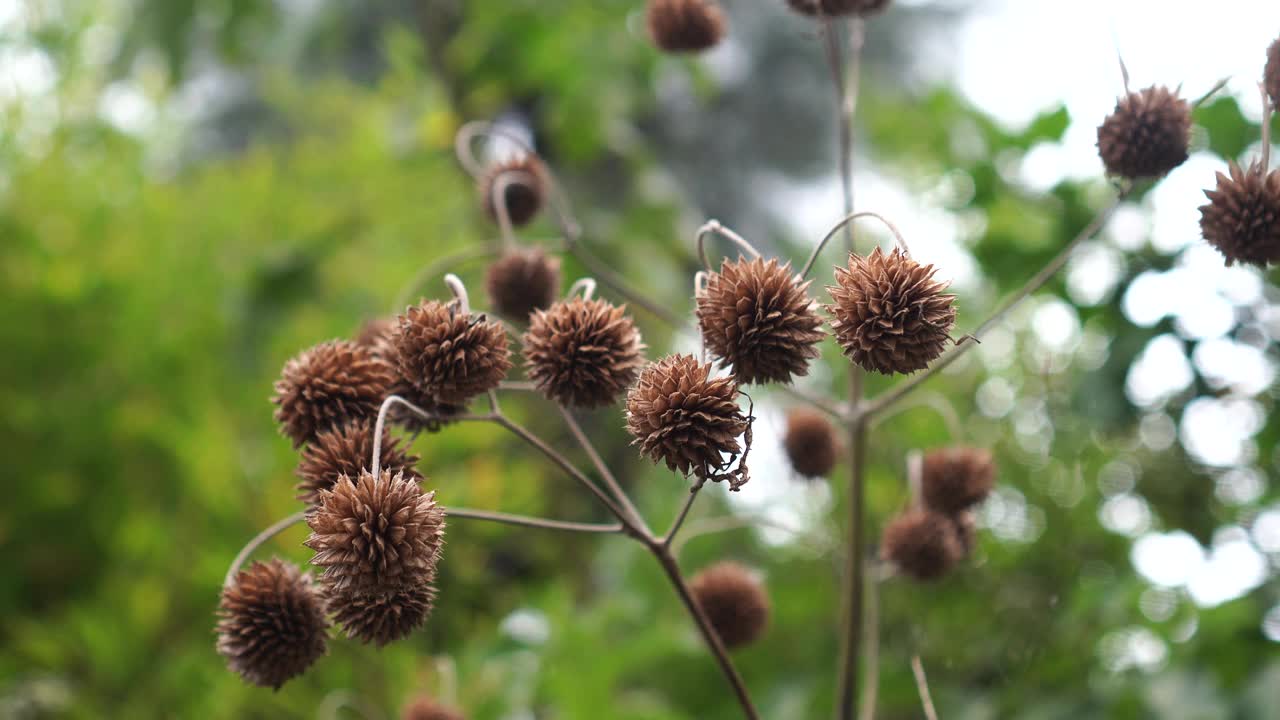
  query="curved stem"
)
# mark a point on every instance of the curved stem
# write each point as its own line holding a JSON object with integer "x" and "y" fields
{"x": 459, "y": 291}
{"x": 714, "y": 226}
{"x": 684, "y": 513}
{"x": 872, "y": 669}
{"x": 922, "y": 684}
{"x": 1266, "y": 127}
{"x": 586, "y": 285}
{"x": 434, "y": 268}
{"x": 845, "y": 221}
{"x": 532, "y": 522}
{"x": 258, "y": 540}
{"x": 379, "y": 426}
{"x": 602, "y": 467}
{"x": 498, "y": 198}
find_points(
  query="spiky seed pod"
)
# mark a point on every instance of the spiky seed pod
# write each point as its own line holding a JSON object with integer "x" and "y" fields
{"x": 679, "y": 26}
{"x": 374, "y": 535}
{"x": 681, "y": 416}
{"x": 890, "y": 315}
{"x": 922, "y": 543}
{"x": 811, "y": 443}
{"x": 347, "y": 450}
{"x": 524, "y": 188}
{"x": 383, "y": 617}
{"x": 1242, "y": 217}
{"x": 832, "y": 8}
{"x": 966, "y": 530}
{"x": 1147, "y": 135}
{"x": 734, "y": 601}
{"x": 1271, "y": 75}
{"x": 522, "y": 281}
{"x": 450, "y": 356}
{"x": 377, "y": 335}
{"x": 956, "y": 478}
{"x": 271, "y": 623}
{"x": 327, "y": 385}
{"x": 583, "y": 353}
{"x": 428, "y": 708}
{"x": 755, "y": 315}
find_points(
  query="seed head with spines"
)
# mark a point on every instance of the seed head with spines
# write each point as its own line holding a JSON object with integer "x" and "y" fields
{"x": 956, "y": 478}
{"x": 685, "y": 26}
{"x": 271, "y": 623}
{"x": 583, "y": 353}
{"x": 383, "y": 616}
{"x": 1242, "y": 218}
{"x": 327, "y": 385}
{"x": 521, "y": 281}
{"x": 449, "y": 356}
{"x": 923, "y": 544}
{"x": 348, "y": 450}
{"x": 734, "y": 601}
{"x": 1147, "y": 135}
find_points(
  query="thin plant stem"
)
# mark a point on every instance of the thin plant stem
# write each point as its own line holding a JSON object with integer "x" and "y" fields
{"x": 1266, "y": 127}
{"x": 934, "y": 401}
{"x": 683, "y": 514}
{"x": 716, "y": 525}
{"x": 845, "y": 222}
{"x": 871, "y": 680}
{"x": 586, "y": 285}
{"x": 922, "y": 685}
{"x": 915, "y": 477}
{"x": 714, "y": 226}
{"x": 519, "y": 385}
{"x": 259, "y": 540}
{"x": 448, "y": 262}
{"x": 1212, "y": 91}
{"x": 459, "y": 290}
{"x": 379, "y": 426}
{"x": 532, "y": 522}
{"x": 602, "y": 467}
{"x": 836, "y": 412}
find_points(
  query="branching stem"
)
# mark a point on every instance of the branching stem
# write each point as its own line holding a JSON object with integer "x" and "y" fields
{"x": 258, "y": 541}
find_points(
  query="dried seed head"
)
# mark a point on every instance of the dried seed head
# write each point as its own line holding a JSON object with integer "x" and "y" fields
{"x": 428, "y": 708}
{"x": 1271, "y": 75}
{"x": 374, "y": 535}
{"x": 833, "y": 8}
{"x": 678, "y": 26}
{"x": 347, "y": 450}
{"x": 524, "y": 188}
{"x": 522, "y": 281}
{"x": 271, "y": 624}
{"x": 378, "y": 335}
{"x": 681, "y": 416}
{"x": 583, "y": 353}
{"x": 811, "y": 442}
{"x": 957, "y": 478}
{"x": 923, "y": 544}
{"x": 1242, "y": 217}
{"x": 734, "y": 601}
{"x": 327, "y": 385}
{"x": 891, "y": 316}
{"x": 1147, "y": 135}
{"x": 755, "y": 315}
{"x": 385, "y": 616}
{"x": 448, "y": 356}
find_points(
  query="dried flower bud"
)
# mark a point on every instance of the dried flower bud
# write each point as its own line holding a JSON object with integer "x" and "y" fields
{"x": 681, "y": 416}
{"x": 1271, "y": 75}
{"x": 833, "y": 8}
{"x": 734, "y": 601}
{"x": 678, "y": 26}
{"x": 348, "y": 450}
{"x": 957, "y": 478}
{"x": 1147, "y": 135}
{"x": 811, "y": 443}
{"x": 427, "y": 708}
{"x": 450, "y": 356}
{"x": 891, "y": 316}
{"x": 382, "y": 617}
{"x": 330, "y": 384}
{"x": 524, "y": 184}
{"x": 583, "y": 353}
{"x": 1242, "y": 217}
{"x": 271, "y": 624}
{"x": 755, "y": 316}
{"x": 923, "y": 544}
{"x": 522, "y": 281}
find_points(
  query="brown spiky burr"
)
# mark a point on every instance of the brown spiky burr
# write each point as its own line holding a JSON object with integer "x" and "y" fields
{"x": 923, "y": 544}
{"x": 685, "y": 26}
{"x": 890, "y": 315}
{"x": 383, "y": 616}
{"x": 449, "y": 356}
{"x": 523, "y": 185}
{"x": 271, "y": 623}
{"x": 327, "y": 385}
{"x": 734, "y": 601}
{"x": 1147, "y": 135}
{"x": 583, "y": 353}
{"x": 377, "y": 335}
{"x": 348, "y": 450}
{"x": 1242, "y": 218}
{"x": 523, "y": 280}
{"x": 811, "y": 443}
{"x": 835, "y": 8}
{"x": 956, "y": 478}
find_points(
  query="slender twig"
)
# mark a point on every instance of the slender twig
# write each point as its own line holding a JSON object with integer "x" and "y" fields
{"x": 258, "y": 540}
{"x": 922, "y": 684}
{"x": 714, "y": 226}
{"x": 871, "y": 679}
{"x": 519, "y": 385}
{"x": 498, "y": 198}
{"x": 1212, "y": 91}
{"x": 602, "y": 467}
{"x": 845, "y": 222}
{"x": 533, "y": 522}
{"x": 934, "y": 401}
{"x": 586, "y": 285}
{"x": 459, "y": 290}
{"x": 1266, "y": 127}
{"x": 684, "y": 513}
{"x": 448, "y": 262}
{"x": 835, "y": 410}
{"x": 715, "y": 525}
{"x": 915, "y": 477}
{"x": 375, "y": 463}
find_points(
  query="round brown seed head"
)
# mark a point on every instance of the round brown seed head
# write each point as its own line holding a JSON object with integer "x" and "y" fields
{"x": 681, "y": 416}
{"x": 890, "y": 315}
{"x": 1271, "y": 75}
{"x": 1147, "y": 135}
{"x": 374, "y": 535}
{"x": 376, "y": 334}
{"x": 957, "y": 478}
{"x": 428, "y": 708}
{"x": 522, "y": 281}
{"x": 923, "y": 544}
{"x": 1242, "y": 217}
{"x": 832, "y": 8}
{"x": 755, "y": 316}
{"x": 811, "y": 443}
{"x": 271, "y": 624}
{"x": 348, "y": 450}
{"x": 583, "y": 353}
{"x": 734, "y": 601}
{"x": 449, "y": 356}
{"x": 521, "y": 182}
{"x": 385, "y": 616}
{"x": 678, "y": 26}
{"x": 327, "y": 385}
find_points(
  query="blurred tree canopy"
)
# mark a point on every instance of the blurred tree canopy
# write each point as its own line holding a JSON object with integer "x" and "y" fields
{"x": 193, "y": 191}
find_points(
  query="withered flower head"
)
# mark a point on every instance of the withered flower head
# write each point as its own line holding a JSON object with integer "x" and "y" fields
{"x": 957, "y": 478}
{"x": 734, "y": 601}
{"x": 923, "y": 544}
{"x": 681, "y": 416}
{"x": 583, "y": 353}
{"x": 383, "y": 616}
{"x": 347, "y": 450}
{"x": 271, "y": 624}
{"x": 811, "y": 442}
{"x": 377, "y": 335}
{"x": 832, "y": 8}
{"x": 524, "y": 188}
{"x": 523, "y": 280}
{"x": 755, "y": 315}
{"x": 678, "y": 26}
{"x": 1271, "y": 75}
{"x": 1242, "y": 217}
{"x": 375, "y": 534}
{"x": 1147, "y": 135}
{"x": 450, "y": 356}
{"x": 327, "y": 385}
{"x": 426, "y": 707}
{"x": 891, "y": 316}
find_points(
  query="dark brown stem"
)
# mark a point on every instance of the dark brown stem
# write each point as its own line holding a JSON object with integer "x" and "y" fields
{"x": 603, "y": 468}
{"x": 683, "y": 514}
